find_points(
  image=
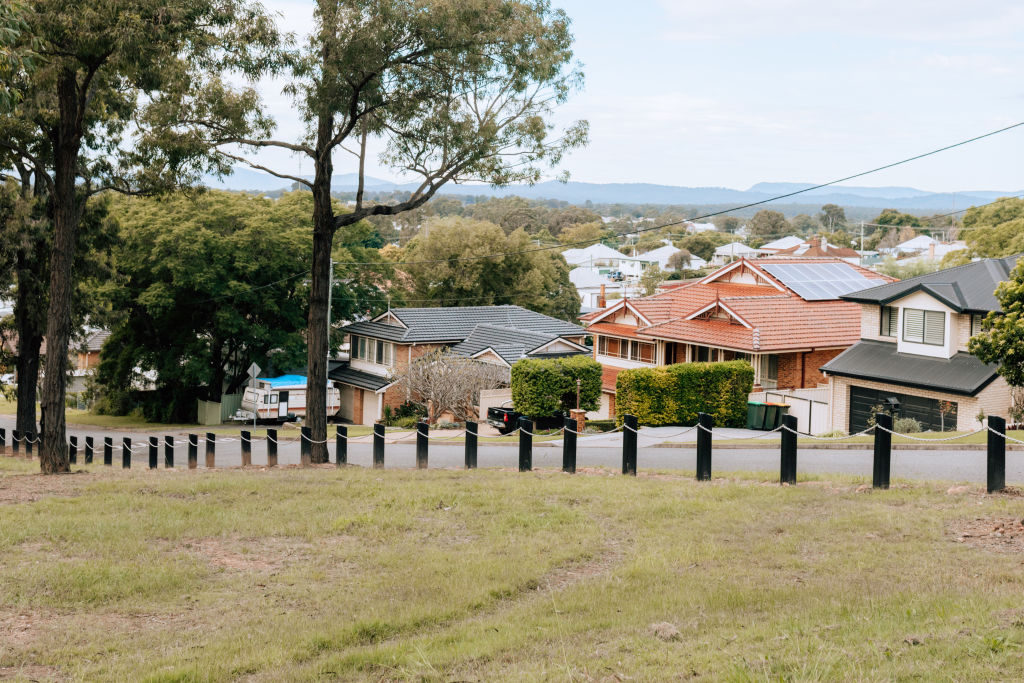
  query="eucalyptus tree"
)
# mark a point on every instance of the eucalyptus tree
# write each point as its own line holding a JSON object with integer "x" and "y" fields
{"x": 85, "y": 83}
{"x": 450, "y": 91}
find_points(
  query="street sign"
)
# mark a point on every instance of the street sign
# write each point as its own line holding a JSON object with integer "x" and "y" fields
{"x": 254, "y": 370}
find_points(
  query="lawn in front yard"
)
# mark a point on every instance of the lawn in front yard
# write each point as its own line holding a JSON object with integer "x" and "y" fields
{"x": 493, "y": 575}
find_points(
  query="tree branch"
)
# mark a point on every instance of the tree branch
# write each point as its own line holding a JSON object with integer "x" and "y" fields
{"x": 272, "y": 172}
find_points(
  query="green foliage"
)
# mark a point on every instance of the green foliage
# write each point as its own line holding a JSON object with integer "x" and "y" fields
{"x": 804, "y": 224}
{"x": 832, "y": 217}
{"x": 542, "y": 387}
{"x": 1002, "y": 337}
{"x": 902, "y": 271}
{"x": 906, "y": 425}
{"x": 651, "y": 278}
{"x": 769, "y": 224}
{"x": 996, "y": 229}
{"x": 510, "y": 273}
{"x": 600, "y": 425}
{"x": 703, "y": 244}
{"x": 897, "y": 218}
{"x": 674, "y": 394}
{"x": 204, "y": 285}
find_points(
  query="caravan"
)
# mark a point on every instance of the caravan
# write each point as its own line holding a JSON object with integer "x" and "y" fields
{"x": 280, "y": 399}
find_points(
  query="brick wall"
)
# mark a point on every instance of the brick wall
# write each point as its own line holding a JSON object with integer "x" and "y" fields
{"x": 993, "y": 400}
{"x": 357, "y": 406}
{"x": 870, "y": 322}
{"x": 790, "y": 368}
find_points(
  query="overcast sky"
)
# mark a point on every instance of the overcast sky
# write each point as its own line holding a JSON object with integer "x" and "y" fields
{"x": 733, "y": 92}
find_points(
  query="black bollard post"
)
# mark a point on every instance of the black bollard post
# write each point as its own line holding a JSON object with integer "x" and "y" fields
{"x": 705, "y": 423}
{"x": 193, "y": 451}
{"x": 88, "y": 450}
{"x": 882, "y": 465}
{"x": 211, "y": 450}
{"x": 169, "y": 451}
{"x": 271, "y": 448}
{"x": 108, "y": 451}
{"x": 246, "y": 448}
{"x": 525, "y": 444}
{"x": 996, "y": 478}
{"x": 630, "y": 427}
{"x": 126, "y": 453}
{"x": 422, "y": 437}
{"x": 73, "y": 449}
{"x": 471, "y": 437}
{"x": 787, "y": 474}
{"x": 378, "y": 446}
{"x": 305, "y": 446}
{"x": 341, "y": 446}
{"x": 154, "y": 452}
{"x": 15, "y": 440}
{"x": 3, "y": 440}
{"x": 569, "y": 445}
{"x": 29, "y": 438}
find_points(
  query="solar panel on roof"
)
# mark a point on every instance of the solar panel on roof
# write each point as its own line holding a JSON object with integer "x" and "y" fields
{"x": 819, "y": 281}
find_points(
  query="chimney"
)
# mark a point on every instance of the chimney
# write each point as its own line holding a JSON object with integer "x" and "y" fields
{"x": 931, "y": 250}
{"x": 815, "y": 242}
{"x": 601, "y": 302}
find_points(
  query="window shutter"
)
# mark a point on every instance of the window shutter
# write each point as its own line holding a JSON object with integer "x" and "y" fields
{"x": 913, "y": 325}
{"x": 934, "y": 328}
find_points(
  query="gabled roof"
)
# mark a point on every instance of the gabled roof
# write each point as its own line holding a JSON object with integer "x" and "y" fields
{"x": 782, "y": 243}
{"x": 734, "y": 249}
{"x": 917, "y": 243}
{"x": 510, "y": 344}
{"x": 585, "y": 277}
{"x": 593, "y": 252}
{"x": 880, "y": 361}
{"x": 454, "y": 324}
{"x": 753, "y": 318}
{"x": 968, "y": 288}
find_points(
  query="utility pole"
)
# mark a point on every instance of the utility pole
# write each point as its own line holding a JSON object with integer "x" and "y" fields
{"x": 330, "y": 288}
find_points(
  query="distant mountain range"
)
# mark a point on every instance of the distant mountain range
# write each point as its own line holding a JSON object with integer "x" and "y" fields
{"x": 904, "y": 198}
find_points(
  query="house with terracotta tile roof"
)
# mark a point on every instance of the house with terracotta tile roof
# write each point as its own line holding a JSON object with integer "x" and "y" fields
{"x": 782, "y": 314}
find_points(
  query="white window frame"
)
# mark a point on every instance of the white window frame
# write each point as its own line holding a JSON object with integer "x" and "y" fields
{"x": 930, "y": 323}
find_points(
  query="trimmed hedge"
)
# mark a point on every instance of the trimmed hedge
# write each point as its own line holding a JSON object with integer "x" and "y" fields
{"x": 544, "y": 387}
{"x": 674, "y": 394}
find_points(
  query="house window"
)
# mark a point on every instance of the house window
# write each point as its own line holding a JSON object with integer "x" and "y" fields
{"x": 976, "y": 320}
{"x": 701, "y": 354}
{"x": 642, "y": 352}
{"x": 924, "y": 327}
{"x": 889, "y": 325}
{"x": 767, "y": 371}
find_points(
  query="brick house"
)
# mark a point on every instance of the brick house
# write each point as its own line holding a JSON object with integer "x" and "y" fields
{"x": 381, "y": 349}
{"x": 783, "y": 315}
{"x": 912, "y": 357}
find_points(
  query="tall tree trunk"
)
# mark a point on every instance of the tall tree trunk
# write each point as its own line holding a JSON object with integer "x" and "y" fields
{"x": 53, "y": 456}
{"x": 317, "y": 344}
{"x": 30, "y": 339}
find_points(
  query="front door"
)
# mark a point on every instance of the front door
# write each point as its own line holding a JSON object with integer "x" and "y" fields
{"x": 282, "y": 404}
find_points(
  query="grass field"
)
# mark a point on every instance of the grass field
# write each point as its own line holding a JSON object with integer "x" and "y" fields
{"x": 489, "y": 575}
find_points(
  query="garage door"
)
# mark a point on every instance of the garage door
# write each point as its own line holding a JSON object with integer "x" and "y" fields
{"x": 924, "y": 410}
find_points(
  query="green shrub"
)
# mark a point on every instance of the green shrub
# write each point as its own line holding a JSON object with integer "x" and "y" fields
{"x": 543, "y": 387}
{"x": 408, "y": 422}
{"x": 674, "y": 394}
{"x": 906, "y": 425}
{"x": 600, "y": 425}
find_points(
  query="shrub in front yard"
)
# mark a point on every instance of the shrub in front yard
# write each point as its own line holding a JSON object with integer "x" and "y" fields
{"x": 542, "y": 387}
{"x": 674, "y": 394}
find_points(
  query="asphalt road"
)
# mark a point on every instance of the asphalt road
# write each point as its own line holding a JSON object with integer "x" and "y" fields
{"x": 946, "y": 465}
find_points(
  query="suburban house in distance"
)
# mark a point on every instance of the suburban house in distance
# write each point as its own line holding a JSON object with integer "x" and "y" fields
{"x": 382, "y": 348}
{"x": 783, "y": 315}
{"x": 912, "y": 358}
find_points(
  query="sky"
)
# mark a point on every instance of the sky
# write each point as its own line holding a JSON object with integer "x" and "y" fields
{"x": 734, "y": 92}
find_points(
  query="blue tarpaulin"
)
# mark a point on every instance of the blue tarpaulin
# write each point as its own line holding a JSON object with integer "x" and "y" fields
{"x": 285, "y": 381}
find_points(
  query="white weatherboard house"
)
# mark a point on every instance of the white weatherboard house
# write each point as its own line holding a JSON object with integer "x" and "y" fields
{"x": 590, "y": 286}
{"x": 603, "y": 260}
{"x": 661, "y": 256}
{"x": 775, "y": 246}
{"x": 912, "y": 357}
{"x": 727, "y": 253}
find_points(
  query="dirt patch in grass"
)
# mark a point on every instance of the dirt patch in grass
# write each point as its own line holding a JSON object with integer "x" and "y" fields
{"x": 27, "y": 488}
{"x": 32, "y": 673}
{"x": 265, "y": 555}
{"x": 994, "y": 534}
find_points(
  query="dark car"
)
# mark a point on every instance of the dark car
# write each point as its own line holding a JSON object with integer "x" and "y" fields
{"x": 505, "y": 419}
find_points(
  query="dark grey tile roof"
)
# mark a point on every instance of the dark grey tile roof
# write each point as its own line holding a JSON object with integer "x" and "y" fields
{"x": 363, "y": 380}
{"x": 880, "y": 362}
{"x": 966, "y": 289}
{"x": 377, "y": 330}
{"x": 94, "y": 342}
{"x": 509, "y": 343}
{"x": 456, "y": 323}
